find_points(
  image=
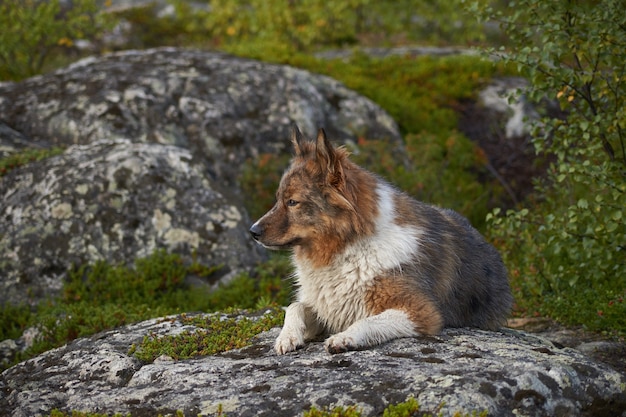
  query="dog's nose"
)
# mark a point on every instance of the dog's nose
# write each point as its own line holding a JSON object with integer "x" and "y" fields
{"x": 256, "y": 231}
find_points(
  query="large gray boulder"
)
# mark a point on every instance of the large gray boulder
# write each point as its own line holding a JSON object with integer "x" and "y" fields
{"x": 155, "y": 141}
{"x": 222, "y": 108}
{"x": 507, "y": 373}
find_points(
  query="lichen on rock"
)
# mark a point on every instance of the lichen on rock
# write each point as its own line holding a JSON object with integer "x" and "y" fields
{"x": 506, "y": 373}
{"x": 117, "y": 201}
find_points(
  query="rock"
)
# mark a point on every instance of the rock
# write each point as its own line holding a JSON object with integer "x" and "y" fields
{"x": 500, "y": 122}
{"x": 222, "y": 108}
{"x": 611, "y": 351}
{"x": 114, "y": 200}
{"x": 507, "y": 373}
{"x": 504, "y": 96}
{"x": 155, "y": 142}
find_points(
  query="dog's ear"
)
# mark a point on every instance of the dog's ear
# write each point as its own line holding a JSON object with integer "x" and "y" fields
{"x": 297, "y": 139}
{"x": 328, "y": 160}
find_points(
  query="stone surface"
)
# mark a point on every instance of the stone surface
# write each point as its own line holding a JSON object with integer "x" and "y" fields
{"x": 222, "y": 108}
{"x": 507, "y": 373}
{"x": 155, "y": 142}
{"x": 117, "y": 201}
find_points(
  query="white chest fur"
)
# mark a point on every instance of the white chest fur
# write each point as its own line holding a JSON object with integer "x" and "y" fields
{"x": 337, "y": 292}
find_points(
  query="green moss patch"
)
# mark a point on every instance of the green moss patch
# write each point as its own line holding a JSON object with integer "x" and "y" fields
{"x": 26, "y": 156}
{"x": 213, "y": 334}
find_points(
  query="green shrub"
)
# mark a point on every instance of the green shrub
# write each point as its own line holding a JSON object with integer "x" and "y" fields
{"x": 567, "y": 247}
{"x": 33, "y": 31}
{"x": 272, "y": 25}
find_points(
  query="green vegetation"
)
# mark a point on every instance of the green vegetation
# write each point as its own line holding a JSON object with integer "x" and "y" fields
{"x": 307, "y": 25}
{"x": 26, "y": 156}
{"x": 102, "y": 296}
{"x": 217, "y": 335}
{"x": 566, "y": 247}
{"x": 35, "y": 33}
{"x": 409, "y": 408}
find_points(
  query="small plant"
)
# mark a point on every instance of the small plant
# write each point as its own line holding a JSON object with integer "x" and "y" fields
{"x": 409, "y": 408}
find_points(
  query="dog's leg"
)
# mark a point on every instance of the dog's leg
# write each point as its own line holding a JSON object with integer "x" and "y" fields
{"x": 300, "y": 325}
{"x": 373, "y": 330}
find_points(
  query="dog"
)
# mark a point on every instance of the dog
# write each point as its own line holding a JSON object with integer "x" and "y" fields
{"x": 371, "y": 263}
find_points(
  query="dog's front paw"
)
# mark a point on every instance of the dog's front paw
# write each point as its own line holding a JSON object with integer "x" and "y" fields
{"x": 340, "y": 343}
{"x": 288, "y": 342}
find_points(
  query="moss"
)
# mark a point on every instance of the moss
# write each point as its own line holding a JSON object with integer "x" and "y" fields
{"x": 212, "y": 335}
{"x": 350, "y": 411}
{"x": 26, "y": 156}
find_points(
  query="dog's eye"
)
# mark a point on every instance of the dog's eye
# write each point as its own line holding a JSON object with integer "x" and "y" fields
{"x": 292, "y": 203}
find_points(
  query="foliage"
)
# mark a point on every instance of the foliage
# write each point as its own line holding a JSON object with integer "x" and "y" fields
{"x": 150, "y": 28}
{"x": 33, "y": 31}
{"x": 567, "y": 247}
{"x": 26, "y": 156}
{"x": 218, "y": 335}
{"x": 312, "y": 24}
{"x": 408, "y": 408}
{"x": 14, "y": 320}
{"x": 103, "y": 296}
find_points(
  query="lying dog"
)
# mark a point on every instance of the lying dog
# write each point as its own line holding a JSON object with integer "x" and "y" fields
{"x": 372, "y": 264}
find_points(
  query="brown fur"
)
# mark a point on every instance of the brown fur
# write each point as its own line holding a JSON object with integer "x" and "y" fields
{"x": 346, "y": 189}
{"x": 399, "y": 293}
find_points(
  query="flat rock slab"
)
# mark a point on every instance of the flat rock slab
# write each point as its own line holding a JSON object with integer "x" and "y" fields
{"x": 507, "y": 373}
